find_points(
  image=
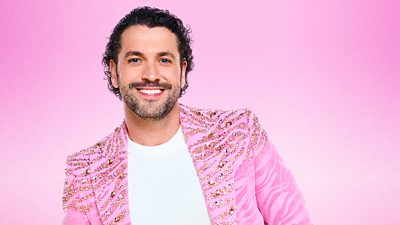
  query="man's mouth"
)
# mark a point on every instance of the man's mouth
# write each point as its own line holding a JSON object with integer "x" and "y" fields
{"x": 152, "y": 91}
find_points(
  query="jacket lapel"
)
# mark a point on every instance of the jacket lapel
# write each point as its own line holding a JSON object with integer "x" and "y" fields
{"x": 109, "y": 177}
{"x": 213, "y": 154}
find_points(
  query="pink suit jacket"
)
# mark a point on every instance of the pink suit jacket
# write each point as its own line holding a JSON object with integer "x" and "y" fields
{"x": 241, "y": 175}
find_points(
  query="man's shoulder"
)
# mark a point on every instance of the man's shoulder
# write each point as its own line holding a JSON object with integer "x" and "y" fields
{"x": 244, "y": 115}
{"x": 83, "y": 157}
{"x": 225, "y": 127}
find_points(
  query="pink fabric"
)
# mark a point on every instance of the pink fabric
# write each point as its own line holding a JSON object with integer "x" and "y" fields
{"x": 242, "y": 176}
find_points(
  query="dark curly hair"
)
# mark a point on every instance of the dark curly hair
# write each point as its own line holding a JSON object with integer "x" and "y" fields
{"x": 150, "y": 17}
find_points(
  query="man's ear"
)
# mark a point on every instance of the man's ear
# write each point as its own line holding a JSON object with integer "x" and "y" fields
{"x": 114, "y": 76}
{"x": 183, "y": 73}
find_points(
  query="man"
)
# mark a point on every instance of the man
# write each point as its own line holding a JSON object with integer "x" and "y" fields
{"x": 168, "y": 163}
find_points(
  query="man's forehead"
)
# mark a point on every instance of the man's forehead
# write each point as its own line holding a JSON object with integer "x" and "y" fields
{"x": 144, "y": 38}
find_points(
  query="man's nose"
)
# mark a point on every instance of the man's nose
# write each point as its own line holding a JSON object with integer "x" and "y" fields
{"x": 151, "y": 72}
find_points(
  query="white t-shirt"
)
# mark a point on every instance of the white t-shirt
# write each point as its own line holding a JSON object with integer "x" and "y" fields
{"x": 163, "y": 185}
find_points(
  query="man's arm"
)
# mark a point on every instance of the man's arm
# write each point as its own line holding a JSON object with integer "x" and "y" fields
{"x": 278, "y": 199}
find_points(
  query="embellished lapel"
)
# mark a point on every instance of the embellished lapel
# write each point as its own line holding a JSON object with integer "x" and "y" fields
{"x": 216, "y": 142}
{"x": 109, "y": 177}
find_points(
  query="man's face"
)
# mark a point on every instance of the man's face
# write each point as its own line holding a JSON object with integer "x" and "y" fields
{"x": 149, "y": 73}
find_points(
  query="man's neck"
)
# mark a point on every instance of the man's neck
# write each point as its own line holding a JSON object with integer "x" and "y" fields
{"x": 152, "y": 132}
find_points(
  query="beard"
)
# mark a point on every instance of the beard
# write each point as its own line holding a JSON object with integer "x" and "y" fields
{"x": 150, "y": 109}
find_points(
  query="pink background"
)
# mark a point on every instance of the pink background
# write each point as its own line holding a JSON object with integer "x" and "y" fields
{"x": 323, "y": 77}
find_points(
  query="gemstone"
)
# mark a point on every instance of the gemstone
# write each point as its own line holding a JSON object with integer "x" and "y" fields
{"x": 117, "y": 219}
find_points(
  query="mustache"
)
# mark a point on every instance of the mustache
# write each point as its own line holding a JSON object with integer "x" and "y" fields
{"x": 150, "y": 84}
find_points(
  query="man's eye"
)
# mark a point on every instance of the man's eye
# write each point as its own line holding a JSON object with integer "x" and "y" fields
{"x": 134, "y": 60}
{"x": 165, "y": 60}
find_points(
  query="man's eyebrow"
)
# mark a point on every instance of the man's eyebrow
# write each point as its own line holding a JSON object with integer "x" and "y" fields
{"x": 166, "y": 54}
{"x": 132, "y": 53}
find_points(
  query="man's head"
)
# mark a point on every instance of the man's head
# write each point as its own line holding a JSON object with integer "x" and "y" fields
{"x": 150, "y": 17}
{"x": 148, "y": 52}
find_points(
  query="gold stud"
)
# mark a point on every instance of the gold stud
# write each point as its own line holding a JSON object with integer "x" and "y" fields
{"x": 112, "y": 194}
{"x": 221, "y": 164}
{"x": 117, "y": 219}
{"x": 211, "y": 182}
{"x": 231, "y": 211}
{"x": 210, "y": 135}
{"x": 87, "y": 171}
{"x": 109, "y": 161}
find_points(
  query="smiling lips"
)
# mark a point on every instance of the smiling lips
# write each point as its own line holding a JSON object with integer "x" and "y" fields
{"x": 150, "y": 91}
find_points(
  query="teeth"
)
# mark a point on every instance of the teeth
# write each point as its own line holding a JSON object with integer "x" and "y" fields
{"x": 150, "y": 91}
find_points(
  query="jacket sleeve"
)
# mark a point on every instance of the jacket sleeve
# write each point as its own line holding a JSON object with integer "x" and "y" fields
{"x": 72, "y": 203}
{"x": 278, "y": 199}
